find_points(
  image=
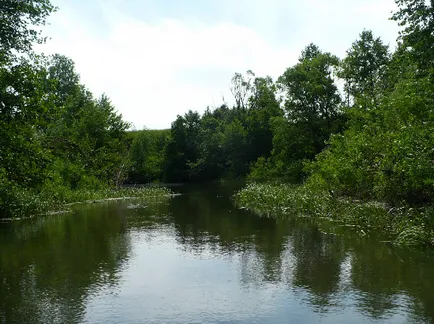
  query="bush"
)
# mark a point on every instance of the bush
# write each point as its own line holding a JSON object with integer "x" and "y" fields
{"x": 387, "y": 152}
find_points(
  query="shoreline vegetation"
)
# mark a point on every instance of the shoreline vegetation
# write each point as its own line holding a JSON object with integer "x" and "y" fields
{"x": 345, "y": 131}
{"x": 404, "y": 225}
{"x": 29, "y": 204}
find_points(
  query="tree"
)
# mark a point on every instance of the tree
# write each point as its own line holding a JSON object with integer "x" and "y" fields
{"x": 55, "y": 136}
{"x": 417, "y": 18}
{"x": 240, "y": 88}
{"x": 263, "y": 106}
{"x": 18, "y": 24}
{"x": 364, "y": 70}
{"x": 88, "y": 137}
{"x": 390, "y": 157}
{"x": 311, "y": 94}
{"x": 312, "y": 111}
{"x": 61, "y": 71}
{"x": 235, "y": 148}
{"x": 147, "y": 155}
{"x": 211, "y": 158}
{"x": 182, "y": 149}
{"x": 25, "y": 111}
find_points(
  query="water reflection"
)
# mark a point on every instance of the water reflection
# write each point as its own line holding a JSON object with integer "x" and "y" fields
{"x": 48, "y": 266}
{"x": 199, "y": 259}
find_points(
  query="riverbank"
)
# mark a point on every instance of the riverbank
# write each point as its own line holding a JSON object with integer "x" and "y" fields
{"x": 28, "y": 203}
{"x": 405, "y": 225}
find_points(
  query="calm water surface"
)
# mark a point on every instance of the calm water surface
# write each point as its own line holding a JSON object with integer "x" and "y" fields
{"x": 197, "y": 259}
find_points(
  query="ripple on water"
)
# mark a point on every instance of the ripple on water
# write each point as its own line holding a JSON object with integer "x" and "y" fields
{"x": 199, "y": 260}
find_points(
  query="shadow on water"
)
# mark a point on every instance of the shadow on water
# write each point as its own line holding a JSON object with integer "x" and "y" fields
{"x": 48, "y": 266}
{"x": 52, "y": 268}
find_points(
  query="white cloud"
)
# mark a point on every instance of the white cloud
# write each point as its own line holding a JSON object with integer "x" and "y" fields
{"x": 154, "y": 71}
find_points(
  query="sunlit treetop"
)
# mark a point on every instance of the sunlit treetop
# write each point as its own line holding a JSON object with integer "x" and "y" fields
{"x": 20, "y": 22}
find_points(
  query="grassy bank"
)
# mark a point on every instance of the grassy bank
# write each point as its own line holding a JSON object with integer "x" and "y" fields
{"x": 405, "y": 225}
{"x": 21, "y": 203}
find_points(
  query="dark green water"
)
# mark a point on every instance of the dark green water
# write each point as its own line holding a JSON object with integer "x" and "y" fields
{"x": 197, "y": 259}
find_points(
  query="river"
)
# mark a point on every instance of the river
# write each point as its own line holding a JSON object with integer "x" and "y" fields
{"x": 198, "y": 259}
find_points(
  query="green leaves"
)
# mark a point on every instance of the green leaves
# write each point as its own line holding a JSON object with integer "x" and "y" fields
{"x": 311, "y": 113}
{"x": 364, "y": 69}
{"x": 18, "y": 23}
{"x": 417, "y": 18}
{"x": 147, "y": 155}
{"x": 225, "y": 141}
{"x": 390, "y": 156}
{"x": 25, "y": 112}
{"x": 311, "y": 94}
{"x": 54, "y": 133}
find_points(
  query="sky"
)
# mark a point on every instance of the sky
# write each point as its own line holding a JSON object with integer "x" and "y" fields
{"x": 156, "y": 59}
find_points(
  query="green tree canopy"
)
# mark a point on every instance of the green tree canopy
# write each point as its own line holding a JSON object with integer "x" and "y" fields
{"x": 417, "y": 18}
{"x": 364, "y": 69}
{"x": 19, "y": 22}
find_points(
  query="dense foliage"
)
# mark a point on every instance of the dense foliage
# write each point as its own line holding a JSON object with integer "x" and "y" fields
{"x": 223, "y": 142}
{"x": 270, "y": 131}
{"x": 57, "y": 138}
{"x": 358, "y": 127}
{"x": 385, "y": 151}
{"x": 147, "y": 154}
{"x": 19, "y": 22}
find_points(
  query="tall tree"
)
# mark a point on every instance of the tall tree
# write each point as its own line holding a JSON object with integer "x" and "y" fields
{"x": 211, "y": 158}
{"x": 311, "y": 93}
{"x": 240, "y": 88}
{"x": 263, "y": 107}
{"x": 26, "y": 107}
{"x": 364, "y": 69}
{"x": 312, "y": 102}
{"x": 235, "y": 148}
{"x": 417, "y": 18}
{"x": 182, "y": 149}
{"x": 65, "y": 78}
{"x": 88, "y": 137}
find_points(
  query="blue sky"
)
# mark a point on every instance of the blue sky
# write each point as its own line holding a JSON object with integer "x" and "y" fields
{"x": 159, "y": 58}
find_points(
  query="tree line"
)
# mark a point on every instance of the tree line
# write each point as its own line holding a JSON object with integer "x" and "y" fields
{"x": 270, "y": 130}
{"x": 359, "y": 126}
{"x": 55, "y": 135}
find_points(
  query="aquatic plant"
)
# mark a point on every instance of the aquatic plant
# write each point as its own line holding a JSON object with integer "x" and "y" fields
{"x": 19, "y": 203}
{"x": 405, "y": 225}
